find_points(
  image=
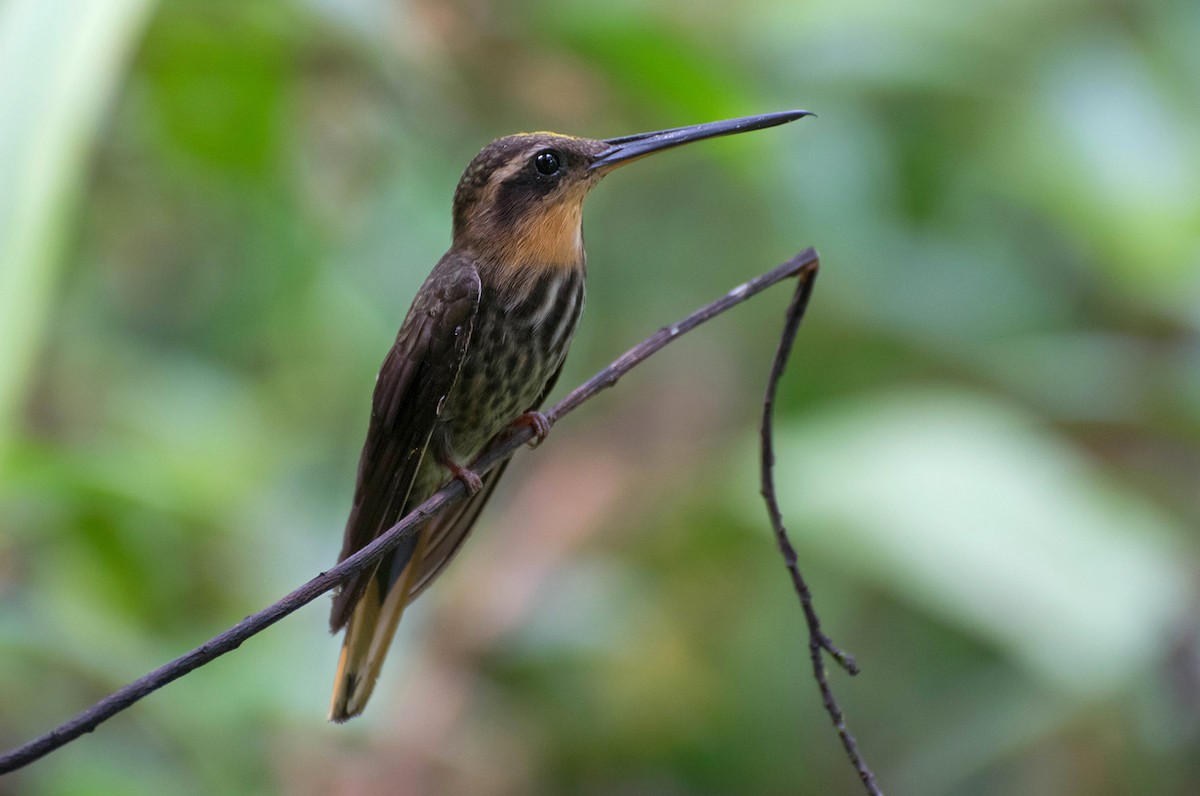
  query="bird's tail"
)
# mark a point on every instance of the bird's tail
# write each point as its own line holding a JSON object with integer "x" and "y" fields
{"x": 368, "y": 635}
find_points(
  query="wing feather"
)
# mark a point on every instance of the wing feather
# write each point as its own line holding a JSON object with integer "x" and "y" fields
{"x": 417, "y": 374}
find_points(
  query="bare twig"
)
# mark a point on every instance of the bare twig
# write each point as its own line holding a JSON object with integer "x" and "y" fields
{"x": 232, "y": 638}
{"x": 818, "y": 642}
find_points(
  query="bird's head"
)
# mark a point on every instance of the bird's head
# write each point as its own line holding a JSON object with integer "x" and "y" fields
{"x": 520, "y": 201}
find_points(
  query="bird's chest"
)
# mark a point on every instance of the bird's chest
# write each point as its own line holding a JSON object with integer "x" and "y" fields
{"x": 518, "y": 341}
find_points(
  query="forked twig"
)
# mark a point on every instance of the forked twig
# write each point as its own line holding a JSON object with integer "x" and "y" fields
{"x": 818, "y": 642}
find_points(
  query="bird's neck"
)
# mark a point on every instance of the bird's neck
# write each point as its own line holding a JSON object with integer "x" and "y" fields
{"x": 553, "y": 238}
{"x": 549, "y": 241}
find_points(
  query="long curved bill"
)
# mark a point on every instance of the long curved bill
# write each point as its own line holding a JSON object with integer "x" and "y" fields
{"x": 631, "y": 147}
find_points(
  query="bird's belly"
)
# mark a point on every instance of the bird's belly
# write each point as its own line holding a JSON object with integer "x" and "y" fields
{"x": 491, "y": 395}
{"x": 514, "y": 351}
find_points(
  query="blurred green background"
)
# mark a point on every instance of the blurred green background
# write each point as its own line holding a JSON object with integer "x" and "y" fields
{"x": 213, "y": 216}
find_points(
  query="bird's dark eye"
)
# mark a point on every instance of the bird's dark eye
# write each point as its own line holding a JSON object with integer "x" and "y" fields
{"x": 547, "y": 162}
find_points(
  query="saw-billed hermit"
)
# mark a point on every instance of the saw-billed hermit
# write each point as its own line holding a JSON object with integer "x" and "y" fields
{"x": 481, "y": 346}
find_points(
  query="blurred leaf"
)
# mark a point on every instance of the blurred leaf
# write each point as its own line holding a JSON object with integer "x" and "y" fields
{"x": 59, "y": 63}
{"x": 1116, "y": 157}
{"x": 969, "y": 510}
{"x": 655, "y": 62}
{"x": 217, "y": 78}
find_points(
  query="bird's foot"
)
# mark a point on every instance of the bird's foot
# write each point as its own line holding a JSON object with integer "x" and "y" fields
{"x": 470, "y": 479}
{"x": 538, "y": 422}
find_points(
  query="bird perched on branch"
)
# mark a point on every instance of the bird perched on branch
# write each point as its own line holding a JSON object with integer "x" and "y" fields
{"x": 482, "y": 345}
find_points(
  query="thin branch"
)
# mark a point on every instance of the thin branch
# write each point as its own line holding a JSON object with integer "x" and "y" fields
{"x": 232, "y": 638}
{"x": 818, "y": 642}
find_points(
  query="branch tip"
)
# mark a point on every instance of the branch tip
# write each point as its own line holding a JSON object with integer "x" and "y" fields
{"x": 818, "y": 642}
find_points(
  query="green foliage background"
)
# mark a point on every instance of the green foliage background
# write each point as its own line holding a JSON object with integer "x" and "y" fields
{"x": 213, "y": 216}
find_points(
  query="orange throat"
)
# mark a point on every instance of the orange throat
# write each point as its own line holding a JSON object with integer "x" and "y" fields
{"x": 551, "y": 238}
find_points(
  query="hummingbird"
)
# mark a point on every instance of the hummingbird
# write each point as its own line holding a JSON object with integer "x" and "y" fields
{"x": 482, "y": 345}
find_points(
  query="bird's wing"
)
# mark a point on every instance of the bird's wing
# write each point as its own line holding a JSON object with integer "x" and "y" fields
{"x": 414, "y": 380}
